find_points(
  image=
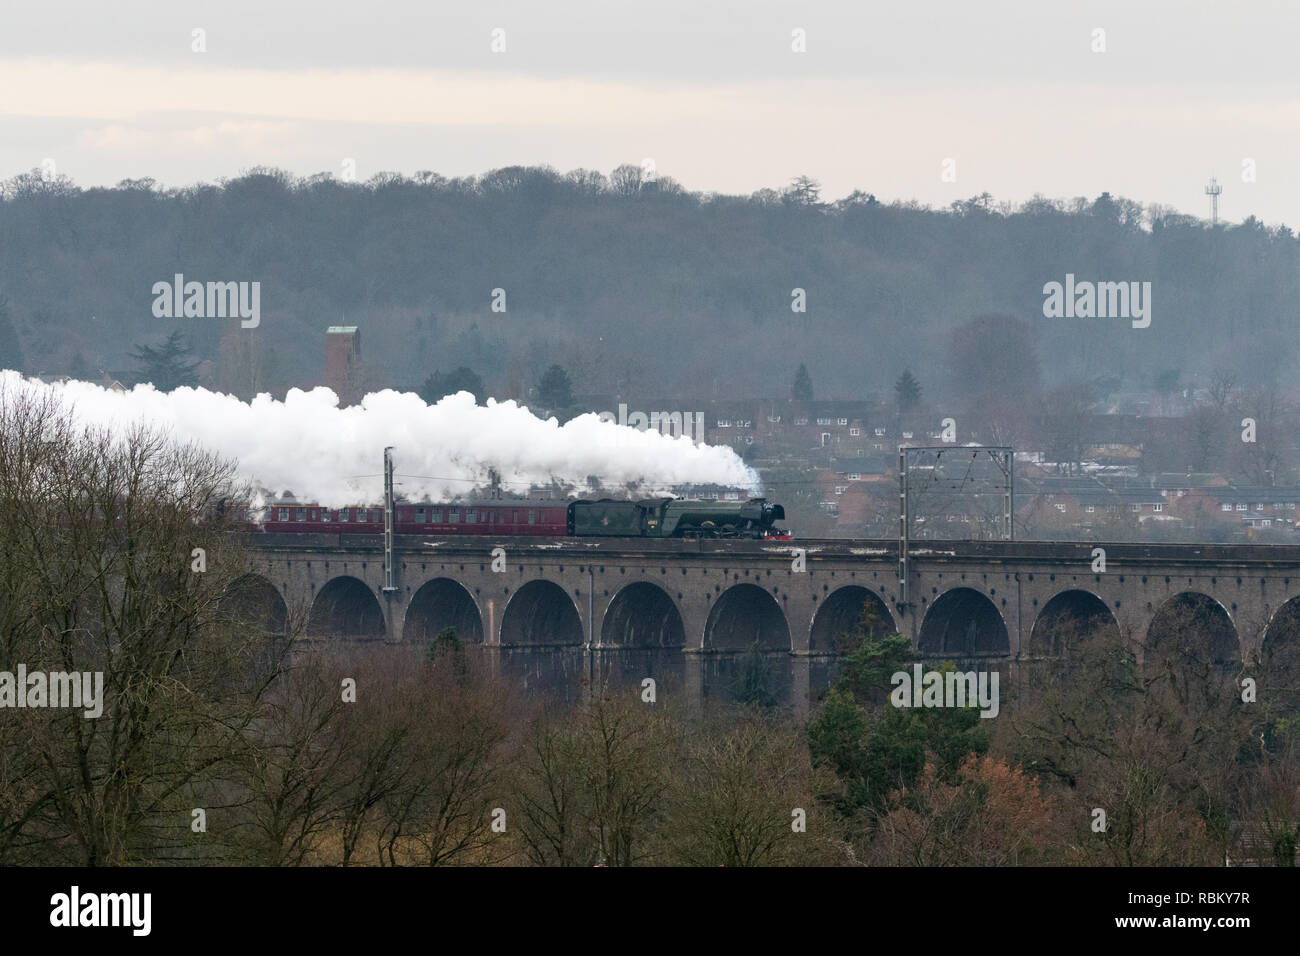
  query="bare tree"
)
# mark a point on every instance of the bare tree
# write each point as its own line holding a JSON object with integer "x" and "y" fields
{"x": 1222, "y": 383}
{"x": 736, "y": 798}
{"x": 115, "y": 564}
{"x": 594, "y": 784}
{"x": 626, "y": 180}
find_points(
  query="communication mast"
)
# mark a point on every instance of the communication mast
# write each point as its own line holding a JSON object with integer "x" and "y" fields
{"x": 1213, "y": 191}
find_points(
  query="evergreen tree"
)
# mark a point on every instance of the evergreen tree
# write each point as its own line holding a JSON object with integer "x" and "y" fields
{"x": 167, "y": 367}
{"x": 446, "y": 648}
{"x": 555, "y": 390}
{"x": 803, "y": 388}
{"x": 445, "y": 641}
{"x": 907, "y": 391}
{"x": 756, "y": 680}
{"x": 463, "y": 379}
{"x": 873, "y": 746}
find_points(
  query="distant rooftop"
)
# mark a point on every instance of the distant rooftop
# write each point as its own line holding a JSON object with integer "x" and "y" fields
{"x": 341, "y": 329}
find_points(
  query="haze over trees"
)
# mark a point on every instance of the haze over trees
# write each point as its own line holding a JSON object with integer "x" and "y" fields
{"x": 634, "y": 285}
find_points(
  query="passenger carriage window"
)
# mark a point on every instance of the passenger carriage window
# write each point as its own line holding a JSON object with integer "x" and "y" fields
{"x": 471, "y": 516}
{"x": 532, "y": 516}
{"x": 419, "y": 516}
{"x": 325, "y": 515}
{"x": 454, "y": 516}
{"x": 302, "y": 514}
{"x": 435, "y": 516}
{"x": 284, "y": 514}
{"x": 343, "y": 515}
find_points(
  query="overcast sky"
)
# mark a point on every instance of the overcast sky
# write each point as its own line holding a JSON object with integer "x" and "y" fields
{"x": 713, "y": 93}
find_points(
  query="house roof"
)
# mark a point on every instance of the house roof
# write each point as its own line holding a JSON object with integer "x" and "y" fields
{"x": 858, "y": 466}
{"x": 1092, "y": 491}
{"x": 1177, "y": 480}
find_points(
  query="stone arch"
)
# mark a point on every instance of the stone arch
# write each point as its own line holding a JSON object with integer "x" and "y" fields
{"x": 1071, "y": 616}
{"x": 842, "y": 610}
{"x": 642, "y": 615}
{"x": 541, "y": 613}
{"x": 742, "y": 615}
{"x": 252, "y": 601}
{"x": 1195, "y": 627}
{"x": 1280, "y": 654}
{"x": 439, "y": 604}
{"x": 964, "y": 623}
{"x": 346, "y": 607}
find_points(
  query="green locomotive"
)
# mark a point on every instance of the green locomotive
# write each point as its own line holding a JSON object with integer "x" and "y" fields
{"x": 676, "y": 518}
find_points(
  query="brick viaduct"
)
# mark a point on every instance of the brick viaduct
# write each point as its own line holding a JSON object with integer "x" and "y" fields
{"x": 967, "y": 600}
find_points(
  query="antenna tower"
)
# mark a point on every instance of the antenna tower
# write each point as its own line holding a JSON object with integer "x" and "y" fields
{"x": 1213, "y": 191}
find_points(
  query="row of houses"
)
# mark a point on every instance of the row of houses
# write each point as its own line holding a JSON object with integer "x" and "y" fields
{"x": 862, "y": 496}
{"x": 850, "y": 428}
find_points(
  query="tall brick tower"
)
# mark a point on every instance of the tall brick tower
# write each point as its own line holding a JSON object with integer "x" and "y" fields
{"x": 343, "y": 362}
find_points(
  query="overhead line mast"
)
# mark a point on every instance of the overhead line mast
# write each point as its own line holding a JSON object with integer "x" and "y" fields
{"x": 389, "y": 585}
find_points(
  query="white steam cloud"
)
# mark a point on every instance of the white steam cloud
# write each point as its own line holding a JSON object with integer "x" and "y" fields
{"x": 308, "y": 445}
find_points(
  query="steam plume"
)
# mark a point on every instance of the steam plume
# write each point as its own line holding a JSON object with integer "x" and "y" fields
{"x": 321, "y": 452}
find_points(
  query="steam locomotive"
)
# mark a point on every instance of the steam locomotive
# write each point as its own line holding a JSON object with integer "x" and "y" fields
{"x": 608, "y": 518}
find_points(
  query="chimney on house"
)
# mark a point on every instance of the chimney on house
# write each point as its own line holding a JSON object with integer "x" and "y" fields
{"x": 343, "y": 363}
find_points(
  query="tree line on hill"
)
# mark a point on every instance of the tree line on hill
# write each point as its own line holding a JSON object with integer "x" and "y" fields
{"x": 633, "y": 286}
